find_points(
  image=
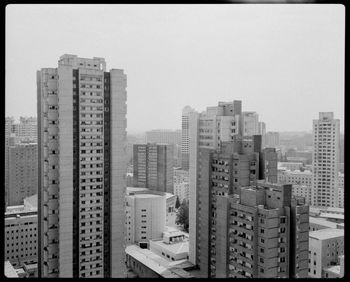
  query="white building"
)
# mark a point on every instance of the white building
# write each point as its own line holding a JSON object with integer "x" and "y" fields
{"x": 325, "y": 246}
{"x": 168, "y": 212}
{"x": 173, "y": 246}
{"x": 326, "y": 157}
{"x": 82, "y": 154}
{"x": 145, "y": 218}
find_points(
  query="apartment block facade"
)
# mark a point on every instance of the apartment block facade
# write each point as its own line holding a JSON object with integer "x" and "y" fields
{"x": 22, "y": 172}
{"x": 153, "y": 167}
{"x": 171, "y": 137}
{"x": 263, "y": 233}
{"x": 221, "y": 173}
{"x": 21, "y": 240}
{"x": 326, "y": 159}
{"x": 82, "y": 168}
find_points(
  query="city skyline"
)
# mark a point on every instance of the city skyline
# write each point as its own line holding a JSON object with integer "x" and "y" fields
{"x": 186, "y": 62}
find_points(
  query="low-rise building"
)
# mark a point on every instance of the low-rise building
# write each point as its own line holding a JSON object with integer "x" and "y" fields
{"x": 21, "y": 225}
{"x": 335, "y": 271}
{"x": 145, "y": 217}
{"x": 148, "y": 213}
{"x": 325, "y": 246}
{"x": 146, "y": 264}
{"x": 174, "y": 245}
{"x": 316, "y": 223}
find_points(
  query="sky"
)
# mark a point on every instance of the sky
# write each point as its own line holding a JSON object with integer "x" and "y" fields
{"x": 284, "y": 61}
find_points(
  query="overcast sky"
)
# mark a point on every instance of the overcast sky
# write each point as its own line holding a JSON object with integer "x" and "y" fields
{"x": 286, "y": 62}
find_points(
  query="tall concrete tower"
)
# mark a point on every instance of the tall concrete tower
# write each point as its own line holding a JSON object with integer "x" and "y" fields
{"x": 185, "y": 157}
{"x": 325, "y": 158}
{"x": 82, "y": 168}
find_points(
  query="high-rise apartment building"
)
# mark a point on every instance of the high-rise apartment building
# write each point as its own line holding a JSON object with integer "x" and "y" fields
{"x": 272, "y": 139}
{"x": 82, "y": 168}
{"x": 222, "y": 172}
{"x": 250, "y": 123}
{"x": 27, "y": 129}
{"x": 262, "y": 132}
{"x": 153, "y": 166}
{"x": 223, "y": 123}
{"x": 22, "y": 173}
{"x": 185, "y": 137}
{"x": 325, "y": 160}
{"x": 262, "y": 233}
{"x": 165, "y": 136}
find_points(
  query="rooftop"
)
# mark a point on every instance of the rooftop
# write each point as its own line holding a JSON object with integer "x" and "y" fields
{"x": 332, "y": 215}
{"x": 175, "y": 248}
{"x": 153, "y": 261}
{"x": 335, "y": 269}
{"x": 327, "y": 233}
{"x": 322, "y": 221}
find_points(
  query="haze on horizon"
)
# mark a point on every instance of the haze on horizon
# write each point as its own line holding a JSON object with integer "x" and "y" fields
{"x": 286, "y": 62}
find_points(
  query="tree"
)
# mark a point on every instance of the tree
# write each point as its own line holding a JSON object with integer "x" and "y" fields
{"x": 177, "y": 204}
{"x": 182, "y": 215}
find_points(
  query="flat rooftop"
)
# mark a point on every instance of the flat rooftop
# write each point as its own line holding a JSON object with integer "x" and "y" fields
{"x": 335, "y": 269}
{"x": 322, "y": 221}
{"x": 153, "y": 261}
{"x": 175, "y": 248}
{"x": 327, "y": 233}
{"x": 331, "y": 215}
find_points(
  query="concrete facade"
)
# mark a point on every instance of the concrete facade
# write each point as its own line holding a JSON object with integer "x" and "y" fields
{"x": 263, "y": 233}
{"x": 326, "y": 159}
{"x": 23, "y": 172}
{"x": 326, "y": 245}
{"x": 272, "y": 139}
{"x": 82, "y": 168}
{"x": 153, "y": 167}
{"x": 21, "y": 240}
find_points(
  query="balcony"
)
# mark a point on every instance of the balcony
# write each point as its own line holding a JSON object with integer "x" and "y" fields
{"x": 52, "y": 189}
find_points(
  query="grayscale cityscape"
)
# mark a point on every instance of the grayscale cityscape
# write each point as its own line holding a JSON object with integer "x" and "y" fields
{"x": 174, "y": 141}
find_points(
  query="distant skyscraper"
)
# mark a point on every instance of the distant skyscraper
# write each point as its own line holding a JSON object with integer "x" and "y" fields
{"x": 185, "y": 137}
{"x": 262, "y": 132}
{"x": 23, "y": 173}
{"x": 325, "y": 158}
{"x": 82, "y": 168}
{"x": 171, "y": 137}
{"x": 250, "y": 123}
{"x": 153, "y": 166}
{"x": 272, "y": 139}
{"x": 164, "y": 136}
